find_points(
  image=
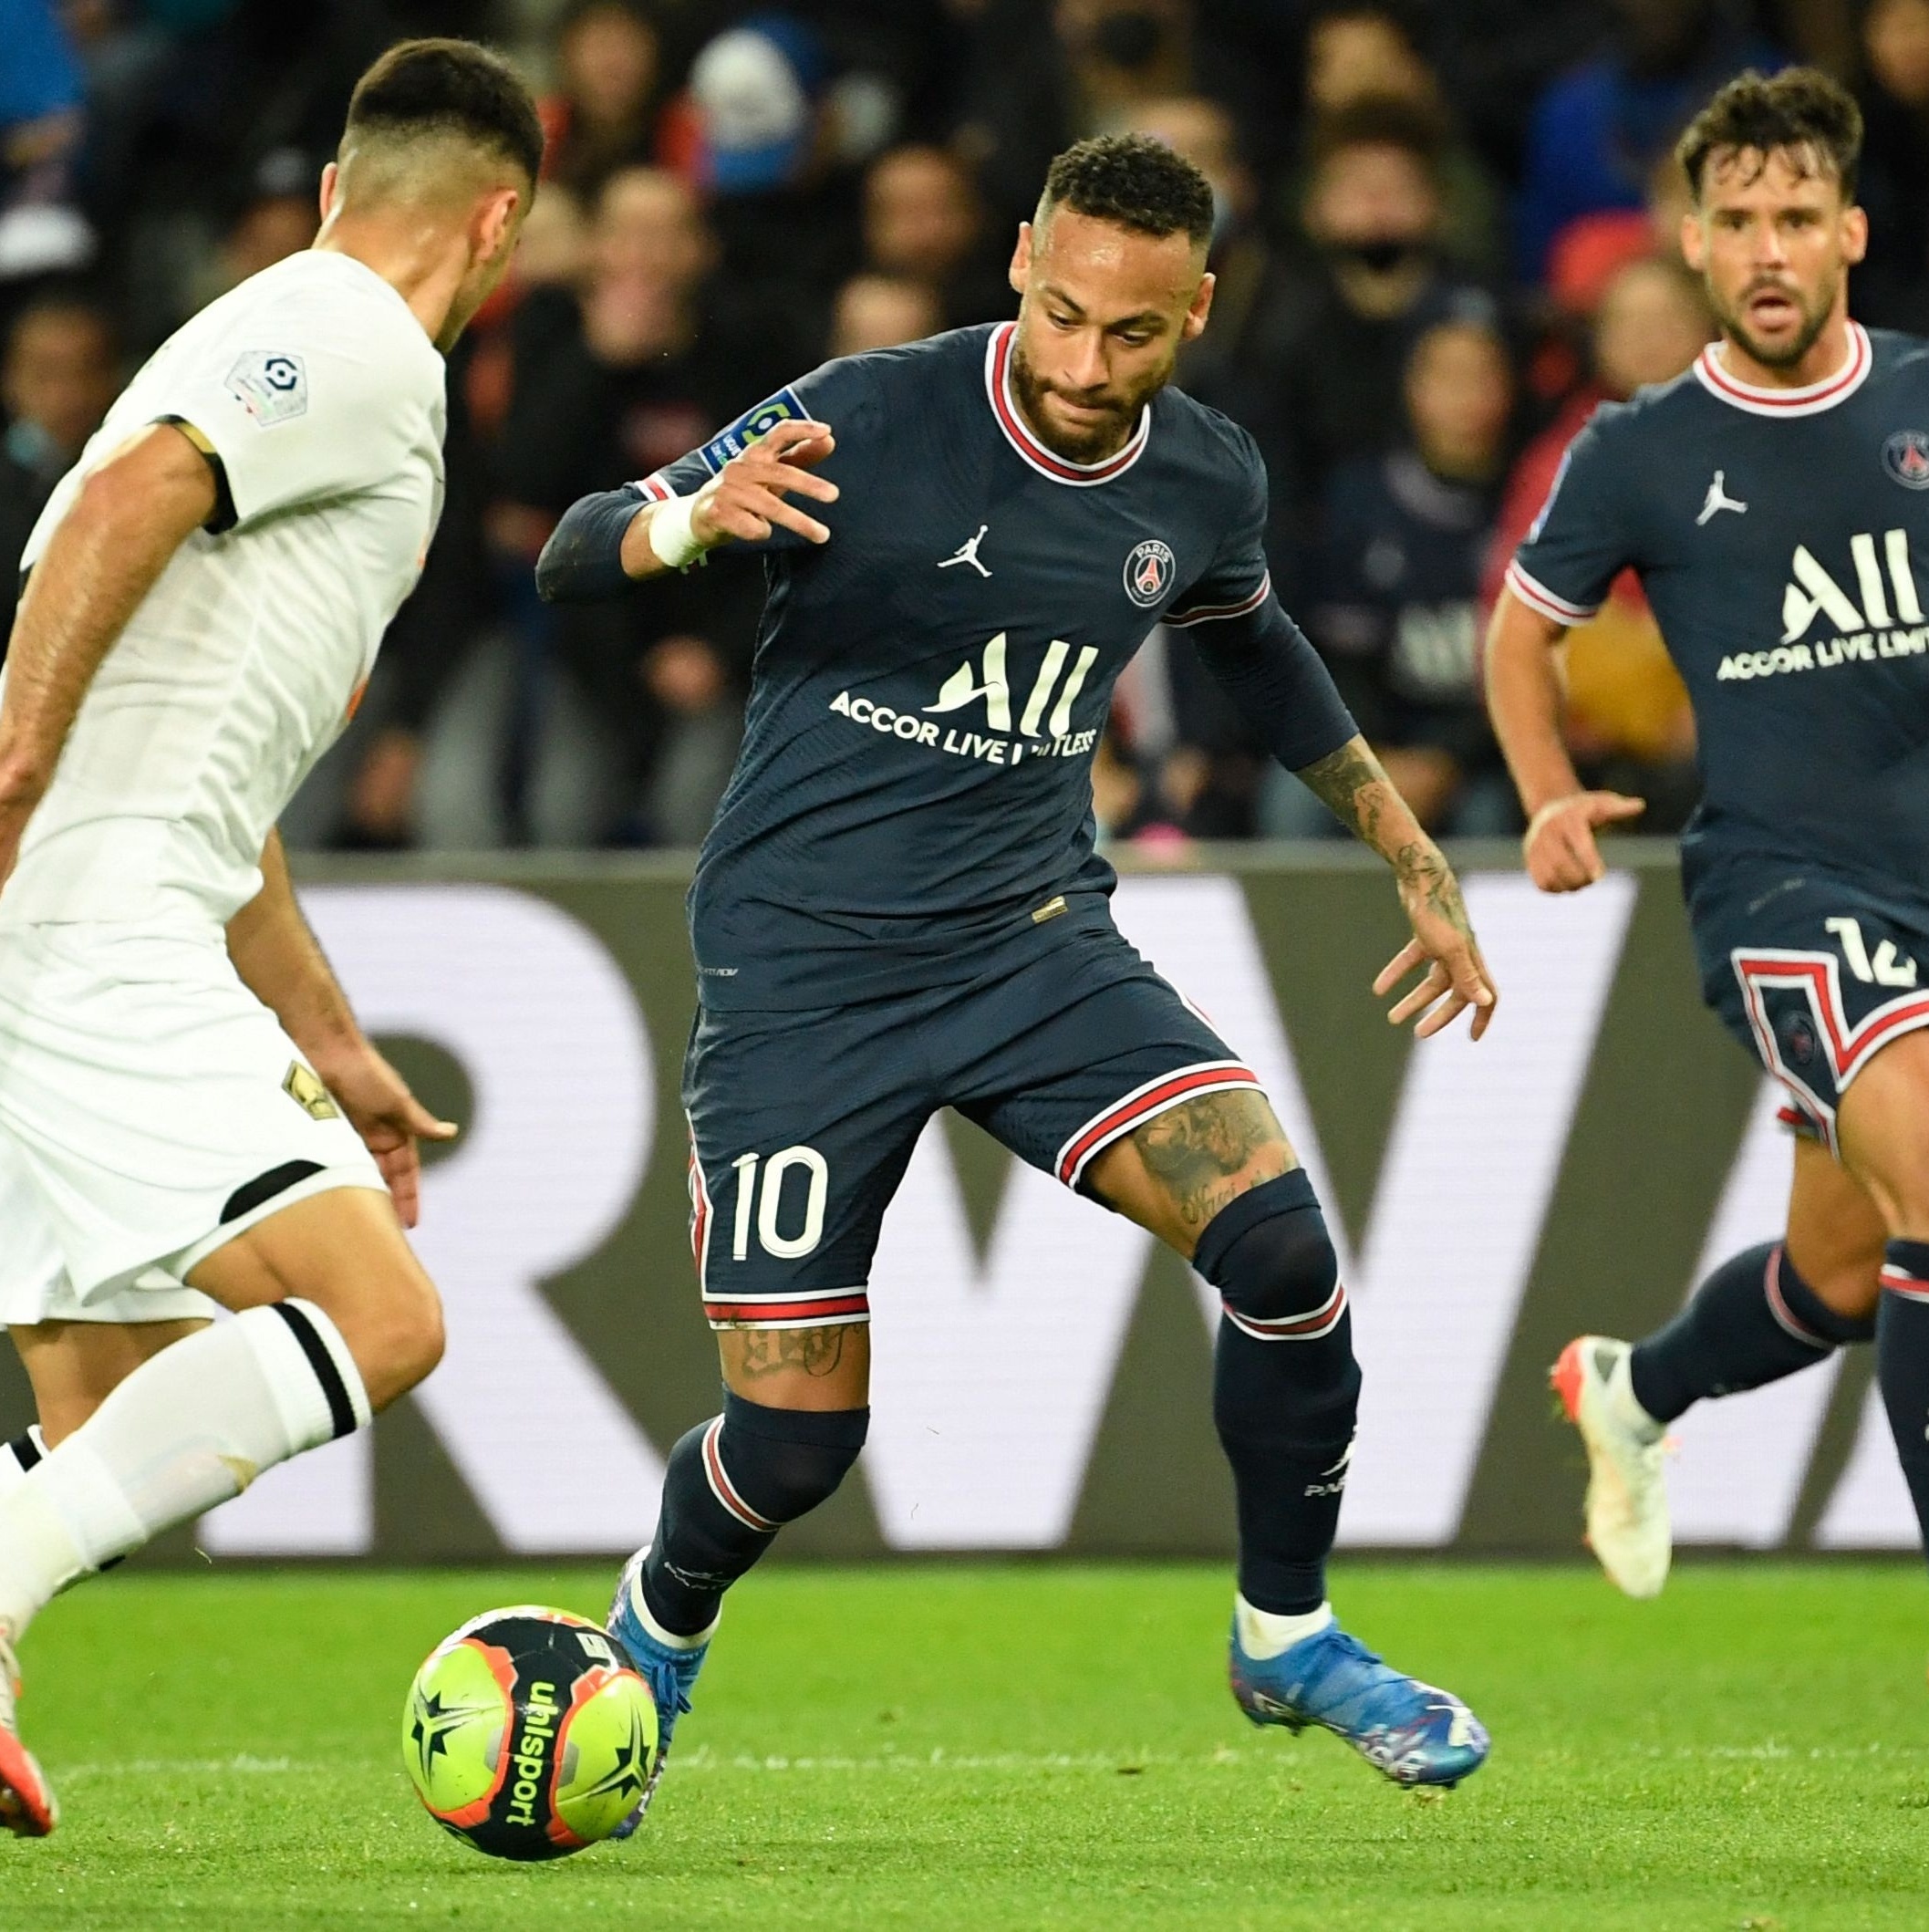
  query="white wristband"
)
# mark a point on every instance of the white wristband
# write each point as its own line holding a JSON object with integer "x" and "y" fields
{"x": 670, "y": 536}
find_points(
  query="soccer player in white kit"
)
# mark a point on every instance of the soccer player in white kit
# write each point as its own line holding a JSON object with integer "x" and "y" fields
{"x": 185, "y": 1101}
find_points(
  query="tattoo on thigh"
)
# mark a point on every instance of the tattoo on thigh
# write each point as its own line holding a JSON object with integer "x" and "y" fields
{"x": 777, "y": 1351}
{"x": 1208, "y": 1152}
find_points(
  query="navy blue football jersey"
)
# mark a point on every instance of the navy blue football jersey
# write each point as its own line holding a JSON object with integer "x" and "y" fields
{"x": 912, "y": 798}
{"x": 1783, "y": 536}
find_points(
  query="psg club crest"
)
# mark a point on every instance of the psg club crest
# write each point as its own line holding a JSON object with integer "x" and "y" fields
{"x": 1906, "y": 456}
{"x": 1148, "y": 573}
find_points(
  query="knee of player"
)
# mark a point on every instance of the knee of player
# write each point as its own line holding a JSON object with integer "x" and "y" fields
{"x": 1851, "y": 1290}
{"x": 401, "y": 1345}
{"x": 1269, "y": 1256}
{"x": 422, "y": 1336}
{"x": 787, "y": 1461}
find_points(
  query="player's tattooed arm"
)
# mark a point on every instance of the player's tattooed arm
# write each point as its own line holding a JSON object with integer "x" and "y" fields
{"x": 1353, "y": 785}
{"x": 1205, "y": 1153}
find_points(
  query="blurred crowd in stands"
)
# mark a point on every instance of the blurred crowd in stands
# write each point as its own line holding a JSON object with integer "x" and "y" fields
{"x": 1446, "y": 230}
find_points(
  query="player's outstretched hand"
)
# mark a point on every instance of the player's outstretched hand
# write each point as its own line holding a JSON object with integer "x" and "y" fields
{"x": 746, "y": 498}
{"x": 390, "y": 1120}
{"x": 1456, "y": 977}
{"x": 1558, "y": 845}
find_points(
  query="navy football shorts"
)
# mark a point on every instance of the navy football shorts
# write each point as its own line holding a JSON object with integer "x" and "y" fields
{"x": 1814, "y": 969}
{"x": 803, "y": 1123}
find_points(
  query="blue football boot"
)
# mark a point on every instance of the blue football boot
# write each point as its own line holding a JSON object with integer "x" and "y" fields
{"x": 1410, "y": 1730}
{"x": 671, "y": 1674}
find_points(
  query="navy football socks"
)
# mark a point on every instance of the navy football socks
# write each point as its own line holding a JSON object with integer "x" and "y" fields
{"x": 1285, "y": 1387}
{"x": 731, "y": 1484}
{"x": 1753, "y": 1321}
{"x": 1901, "y": 1364}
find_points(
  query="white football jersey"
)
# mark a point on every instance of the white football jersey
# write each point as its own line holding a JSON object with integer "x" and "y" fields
{"x": 323, "y": 397}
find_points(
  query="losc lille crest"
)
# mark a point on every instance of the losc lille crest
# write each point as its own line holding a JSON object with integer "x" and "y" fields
{"x": 1148, "y": 573}
{"x": 1906, "y": 456}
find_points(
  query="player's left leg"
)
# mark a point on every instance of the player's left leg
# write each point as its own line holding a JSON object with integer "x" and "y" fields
{"x": 1771, "y": 1311}
{"x": 1215, "y": 1178}
{"x": 1882, "y": 1123}
{"x": 1101, "y": 1074}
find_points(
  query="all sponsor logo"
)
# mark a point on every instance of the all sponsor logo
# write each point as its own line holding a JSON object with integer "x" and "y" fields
{"x": 1043, "y": 728}
{"x": 1149, "y": 571}
{"x": 1906, "y": 456}
{"x": 1881, "y": 616}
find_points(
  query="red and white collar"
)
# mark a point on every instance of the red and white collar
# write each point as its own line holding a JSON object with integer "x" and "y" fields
{"x": 1080, "y": 475}
{"x": 1808, "y": 401}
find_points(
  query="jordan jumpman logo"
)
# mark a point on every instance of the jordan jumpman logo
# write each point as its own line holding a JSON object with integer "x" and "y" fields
{"x": 968, "y": 553}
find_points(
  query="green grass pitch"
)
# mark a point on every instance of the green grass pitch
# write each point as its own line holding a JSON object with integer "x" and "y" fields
{"x": 1013, "y": 1747}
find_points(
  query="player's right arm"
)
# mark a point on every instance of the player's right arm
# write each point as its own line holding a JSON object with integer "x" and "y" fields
{"x": 1559, "y": 577}
{"x": 281, "y": 962}
{"x": 129, "y": 517}
{"x": 744, "y": 486}
{"x": 1525, "y": 698}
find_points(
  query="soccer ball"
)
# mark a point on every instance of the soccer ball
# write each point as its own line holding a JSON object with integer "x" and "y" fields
{"x": 528, "y": 1734}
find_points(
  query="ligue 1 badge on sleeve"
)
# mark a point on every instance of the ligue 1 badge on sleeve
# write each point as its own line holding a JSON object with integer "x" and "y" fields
{"x": 271, "y": 385}
{"x": 1906, "y": 456}
{"x": 1148, "y": 573}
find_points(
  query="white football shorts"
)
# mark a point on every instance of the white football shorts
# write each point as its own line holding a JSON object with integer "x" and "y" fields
{"x": 33, "y": 1285}
{"x": 154, "y": 1109}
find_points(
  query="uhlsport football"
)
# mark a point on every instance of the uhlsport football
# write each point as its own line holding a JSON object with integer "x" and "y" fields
{"x": 528, "y": 1734}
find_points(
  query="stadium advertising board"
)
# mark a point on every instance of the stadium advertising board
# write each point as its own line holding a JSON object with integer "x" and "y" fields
{"x": 1042, "y": 1366}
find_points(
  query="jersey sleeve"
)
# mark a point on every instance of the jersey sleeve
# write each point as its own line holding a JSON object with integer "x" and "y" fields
{"x": 1261, "y": 657}
{"x": 1583, "y": 537}
{"x": 841, "y": 394}
{"x": 1237, "y": 580}
{"x": 331, "y": 412}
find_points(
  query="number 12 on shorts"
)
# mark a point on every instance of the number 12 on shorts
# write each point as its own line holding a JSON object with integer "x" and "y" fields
{"x": 766, "y": 1202}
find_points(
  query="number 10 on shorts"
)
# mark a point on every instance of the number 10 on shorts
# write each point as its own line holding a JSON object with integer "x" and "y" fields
{"x": 767, "y": 1201}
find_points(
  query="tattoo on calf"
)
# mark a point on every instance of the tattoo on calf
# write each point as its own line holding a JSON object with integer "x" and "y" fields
{"x": 1208, "y": 1152}
{"x": 776, "y": 1351}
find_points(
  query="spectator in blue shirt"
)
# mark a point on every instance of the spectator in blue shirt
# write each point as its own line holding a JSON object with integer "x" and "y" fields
{"x": 1597, "y": 132}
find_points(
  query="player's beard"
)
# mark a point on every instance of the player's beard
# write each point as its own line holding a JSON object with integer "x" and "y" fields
{"x": 1107, "y": 436}
{"x": 1815, "y": 317}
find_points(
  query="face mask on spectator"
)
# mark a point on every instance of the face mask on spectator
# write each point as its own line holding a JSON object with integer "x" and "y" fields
{"x": 1382, "y": 254}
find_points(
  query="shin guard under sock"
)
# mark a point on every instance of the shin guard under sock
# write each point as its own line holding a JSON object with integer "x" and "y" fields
{"x": 731, "y": 1484}
{"x": 1285, "y": 1387}
{"x": 1752, "y": 1322}
{"x": 1901, "y": 1364}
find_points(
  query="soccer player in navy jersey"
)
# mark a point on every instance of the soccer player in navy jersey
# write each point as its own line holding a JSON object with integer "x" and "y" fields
{"x": 899, "y": 908}
{"x": 1772, "y": 500}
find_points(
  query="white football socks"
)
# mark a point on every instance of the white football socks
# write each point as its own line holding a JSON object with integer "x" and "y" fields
{"x": 1265, "y": 1633}
{"x": 190, "y": 1428}
{"x": 13, "y": 1469}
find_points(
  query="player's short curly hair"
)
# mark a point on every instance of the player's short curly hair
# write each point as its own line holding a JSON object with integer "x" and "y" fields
{"x": 1800, "y": 113}
{"x": 1135, "y": 180}
{"x": 420, "y": 89}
